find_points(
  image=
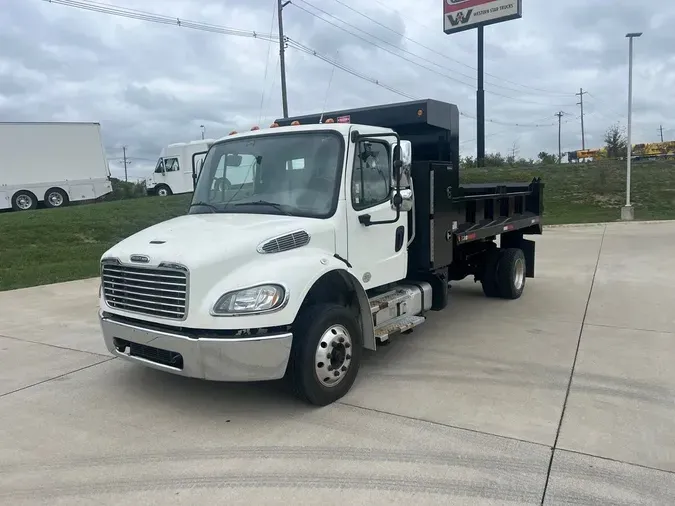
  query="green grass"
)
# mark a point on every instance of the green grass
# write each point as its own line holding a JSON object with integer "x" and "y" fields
{"x": 53, "y": 245}
{"x": 49, "y": 246}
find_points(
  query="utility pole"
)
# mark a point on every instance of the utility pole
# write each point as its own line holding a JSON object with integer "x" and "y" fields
{"x": 560, "y": 115}
{"x": 124, "y": 150}
{"x": 282, "y": 56}
{"x": 583, "y": 134}
{"x": 661, "y": 129}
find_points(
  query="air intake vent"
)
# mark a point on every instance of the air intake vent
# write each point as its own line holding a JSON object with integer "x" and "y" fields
{"x": 285, "y": 242}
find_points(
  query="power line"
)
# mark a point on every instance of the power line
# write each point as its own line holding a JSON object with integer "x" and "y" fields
{"x": 414, "y": 62}
{"x": 389, "y": 8}
{"x": 155, "y": 18}
{"x": 183, "y": 23}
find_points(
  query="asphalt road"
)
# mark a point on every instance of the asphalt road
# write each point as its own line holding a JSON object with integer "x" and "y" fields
{"x": 566, "y": 396}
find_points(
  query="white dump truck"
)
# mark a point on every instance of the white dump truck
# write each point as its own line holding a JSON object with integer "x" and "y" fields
{"x": 178, "y": 168}
{"x": 312, "y": 240}
{"x": 54, "y": 163}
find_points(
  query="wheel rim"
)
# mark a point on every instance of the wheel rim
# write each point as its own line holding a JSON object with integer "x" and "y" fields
{"x": 162, "y": 192}
{"x": 519, "y": 275}
{"x": 55, "y": 199}
{"x": 24, "y": 202}
{"x": 333, "y": 356}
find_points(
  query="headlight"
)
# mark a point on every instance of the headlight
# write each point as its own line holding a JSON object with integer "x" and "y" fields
{"x": 250, "y": 300}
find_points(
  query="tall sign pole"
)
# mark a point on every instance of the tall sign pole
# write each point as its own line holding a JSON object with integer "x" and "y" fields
{"x": 462, "y": 15}
{"x": 480, "y": 99}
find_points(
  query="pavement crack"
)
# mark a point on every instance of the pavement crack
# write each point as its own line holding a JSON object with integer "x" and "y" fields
{"x": 57, "y": 377}
{"x": 440, "y": 424}
{"x": 617, "y": 461}
{"x": 53, "y": 345}
{"x": 574, "y": 365}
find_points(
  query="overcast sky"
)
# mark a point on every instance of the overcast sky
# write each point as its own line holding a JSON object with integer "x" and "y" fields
{"x": 150, "y": 84}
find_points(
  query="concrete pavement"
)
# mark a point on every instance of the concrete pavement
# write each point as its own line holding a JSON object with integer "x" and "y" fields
{"x": 567, "y": 395}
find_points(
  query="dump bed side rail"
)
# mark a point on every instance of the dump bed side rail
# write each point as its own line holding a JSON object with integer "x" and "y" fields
{"x": 488, "y": 210}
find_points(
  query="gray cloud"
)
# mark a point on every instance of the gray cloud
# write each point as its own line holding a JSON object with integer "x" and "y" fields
{"x": 150, "y": 84}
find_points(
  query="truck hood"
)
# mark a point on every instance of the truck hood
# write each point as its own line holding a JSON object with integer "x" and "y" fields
{"x": 229, "y": 240}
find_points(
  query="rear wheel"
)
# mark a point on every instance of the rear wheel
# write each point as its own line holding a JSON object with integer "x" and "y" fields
{"x": 23, "y": 200}
{"x": 511, "y": 273}
{"x": 326, "y": 353}
{"x": 56, "y": 197}
{"x": 489, "y": 277}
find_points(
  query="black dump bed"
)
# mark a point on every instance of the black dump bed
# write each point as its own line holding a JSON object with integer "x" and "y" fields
{"x": 447, "y": 215}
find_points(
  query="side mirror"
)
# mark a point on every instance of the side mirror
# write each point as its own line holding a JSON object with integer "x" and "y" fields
{"x": 402, "y": 163}
{"x": 406, "y": 159}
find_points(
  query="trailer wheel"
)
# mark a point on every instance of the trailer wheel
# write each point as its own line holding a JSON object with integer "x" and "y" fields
{"x": 489, "y": 276}
{"x": 163, "y": 190}
{"x": 23, "y": 200}
{"x": 326, "y": 353}
{"x": 56, "y": 197}
{"x": 511, "y": 273}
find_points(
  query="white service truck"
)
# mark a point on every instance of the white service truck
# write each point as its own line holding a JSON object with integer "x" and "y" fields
{"x": 178, "y": 168}
{"x": 55, "y": 163}
{"x": 337, "y": 236}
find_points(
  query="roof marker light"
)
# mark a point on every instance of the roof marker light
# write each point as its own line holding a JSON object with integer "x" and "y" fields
{"x": 295, "y": 123}
{"x": 233, "y": 132}
{"x": 255, "y": 128}
{"x": 329, "y": 120}
{"x": 274, "y": 125}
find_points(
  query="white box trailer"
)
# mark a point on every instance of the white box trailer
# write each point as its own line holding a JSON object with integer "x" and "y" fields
{"x": 55, "y": 163}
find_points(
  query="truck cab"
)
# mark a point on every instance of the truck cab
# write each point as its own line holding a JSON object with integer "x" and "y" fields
{"x": 178, "y": 168}
{"x": 309, "y": 241}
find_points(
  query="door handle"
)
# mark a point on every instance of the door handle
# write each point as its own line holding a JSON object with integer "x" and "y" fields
{"x": 364, "y": 219}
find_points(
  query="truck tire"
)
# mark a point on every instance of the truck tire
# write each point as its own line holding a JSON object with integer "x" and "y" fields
{"x": 56, "y": 197}
{"x": 163, "y": 190}
{"x": 325, "y": 354}
{"x": 511, "y": 273}
{"x": 23, "y": 200}
{"x": 489, "y": 277}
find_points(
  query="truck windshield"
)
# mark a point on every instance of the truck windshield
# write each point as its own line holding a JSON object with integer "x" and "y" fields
{"x": 296, "y": 174}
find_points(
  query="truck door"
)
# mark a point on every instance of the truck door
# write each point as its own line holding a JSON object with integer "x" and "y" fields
{"x": 197, "y": 163}
{"x": 378, "y": 252}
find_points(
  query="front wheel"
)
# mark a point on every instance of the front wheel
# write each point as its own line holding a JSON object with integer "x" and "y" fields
{"x": 326, "y": 353}
{"x": 163, "y": 190}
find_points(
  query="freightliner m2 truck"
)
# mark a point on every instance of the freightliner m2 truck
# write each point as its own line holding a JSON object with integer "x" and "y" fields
{"x": 342, "y": 231}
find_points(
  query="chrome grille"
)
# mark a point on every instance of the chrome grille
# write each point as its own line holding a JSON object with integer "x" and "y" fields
{"x": 285, "y": 242}
{"x": 160, "y": 292}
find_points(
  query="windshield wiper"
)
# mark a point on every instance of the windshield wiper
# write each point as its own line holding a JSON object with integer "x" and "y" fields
{"x": 213, "y": 208}
{"x": 275, "y": 205}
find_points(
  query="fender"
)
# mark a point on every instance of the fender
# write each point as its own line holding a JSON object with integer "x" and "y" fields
{"x": 296, "y": 270}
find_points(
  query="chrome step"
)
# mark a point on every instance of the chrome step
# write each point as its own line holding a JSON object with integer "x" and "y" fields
{"x": 388, "y": 299}
{"x": 397, "y": 325}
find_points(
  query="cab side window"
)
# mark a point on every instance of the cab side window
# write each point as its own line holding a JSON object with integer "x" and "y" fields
{"x": 371, "y": 178}
{"x": 160, "y": 167}
{"x": 171, "y": 164}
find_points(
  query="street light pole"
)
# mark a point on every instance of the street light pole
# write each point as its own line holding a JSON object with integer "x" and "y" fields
{"x": 628, "y": 212}
{"x": 203, "y": 130}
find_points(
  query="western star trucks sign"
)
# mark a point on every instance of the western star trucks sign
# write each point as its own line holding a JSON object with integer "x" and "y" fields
{"x": 460, "y": 15}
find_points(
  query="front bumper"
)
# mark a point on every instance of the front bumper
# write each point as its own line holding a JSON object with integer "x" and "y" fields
{"x": 257, "y": 358}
